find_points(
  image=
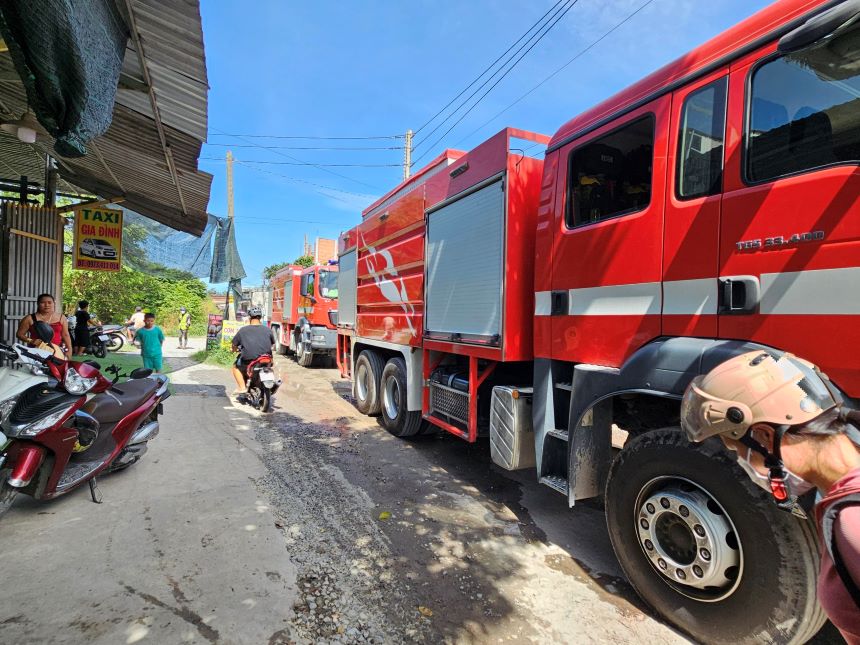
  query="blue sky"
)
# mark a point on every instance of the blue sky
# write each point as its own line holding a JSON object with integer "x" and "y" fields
{"x": 375, "y": 68}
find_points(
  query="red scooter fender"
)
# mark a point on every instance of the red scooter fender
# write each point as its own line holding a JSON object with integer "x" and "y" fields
{"x": 26, "y": 458}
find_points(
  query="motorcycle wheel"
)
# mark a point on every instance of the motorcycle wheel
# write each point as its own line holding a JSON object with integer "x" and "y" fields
{"x": 256, "y": 397}
{"x": 267, "y": 400}
{"x": 7, "y": 492}
{"x": 115, "y": 343}
{"x": 99, "y": 350}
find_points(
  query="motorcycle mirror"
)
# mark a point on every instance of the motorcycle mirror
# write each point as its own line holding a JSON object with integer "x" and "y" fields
{"x": 43, "y": 331}
{"x": 140, "y": 372}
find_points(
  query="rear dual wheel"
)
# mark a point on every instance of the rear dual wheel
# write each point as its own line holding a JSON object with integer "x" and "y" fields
{"x": 706, "y": 548}
{"x": 396, "y": 417}
{"x": 368, "y": 372}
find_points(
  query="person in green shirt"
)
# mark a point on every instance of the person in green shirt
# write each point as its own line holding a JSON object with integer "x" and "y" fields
{"x": 150, "y": 339}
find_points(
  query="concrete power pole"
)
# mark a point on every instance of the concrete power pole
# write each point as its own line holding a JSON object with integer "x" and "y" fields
{"x": 407, "y": 155}
{"x": 230, "y": 184}
{"x": 229, "y": 215}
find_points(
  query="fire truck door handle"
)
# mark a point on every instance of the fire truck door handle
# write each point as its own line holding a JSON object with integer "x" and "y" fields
{"x": 558, "y": 306}
{"x": 739, "y": 294}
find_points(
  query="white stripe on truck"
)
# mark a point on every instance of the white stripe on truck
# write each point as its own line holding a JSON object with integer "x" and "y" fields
{"x": 823, "y": 292}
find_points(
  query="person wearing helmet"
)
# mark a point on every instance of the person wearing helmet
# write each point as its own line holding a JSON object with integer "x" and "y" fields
{"x": 251, "y": 341}
{"x": 792, "y": 433}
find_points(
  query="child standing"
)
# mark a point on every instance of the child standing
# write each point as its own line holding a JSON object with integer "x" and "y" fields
{"x": 150, "y": 339}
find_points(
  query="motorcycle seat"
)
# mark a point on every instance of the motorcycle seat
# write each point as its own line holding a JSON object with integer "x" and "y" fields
{"x": 107, "y": 409}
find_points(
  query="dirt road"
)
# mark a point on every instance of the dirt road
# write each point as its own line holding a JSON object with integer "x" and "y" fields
{"x": 426, "y": 540}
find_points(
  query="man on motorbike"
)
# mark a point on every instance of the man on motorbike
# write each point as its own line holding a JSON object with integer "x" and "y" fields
{"x": 251, "y": 341}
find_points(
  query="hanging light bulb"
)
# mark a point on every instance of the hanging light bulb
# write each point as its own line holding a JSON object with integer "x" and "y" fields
{"x": 27, "y": 135}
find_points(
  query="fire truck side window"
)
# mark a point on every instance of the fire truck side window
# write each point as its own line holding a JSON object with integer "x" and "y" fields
{"x": 700, "y": 145}
{"x": 804, "y": 110}
{"x": 611, "y": 176}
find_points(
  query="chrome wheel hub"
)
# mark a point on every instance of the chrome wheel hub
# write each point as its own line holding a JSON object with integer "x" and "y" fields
{"x": 689, "y": 539}
{"x": 361, "y": 383}
{"x": 391, "y": 398}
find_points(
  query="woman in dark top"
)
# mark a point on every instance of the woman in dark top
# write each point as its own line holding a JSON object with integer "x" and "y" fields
{"x": 46, "y": 313}
{"x": 82, "y": 327}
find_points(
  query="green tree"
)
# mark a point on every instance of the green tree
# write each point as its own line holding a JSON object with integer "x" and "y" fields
{"x": 272, "y": 269}
{"x": 304, "y": 261}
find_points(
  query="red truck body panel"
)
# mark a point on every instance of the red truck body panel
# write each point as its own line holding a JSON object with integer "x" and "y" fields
{"x": 391, "y": 246}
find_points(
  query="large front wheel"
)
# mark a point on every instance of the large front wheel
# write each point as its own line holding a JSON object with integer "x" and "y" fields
{"x": 706, "y": 548}
{"x": 115, "y": 343}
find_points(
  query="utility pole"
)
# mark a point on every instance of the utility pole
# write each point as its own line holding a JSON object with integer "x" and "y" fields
{"x": 230, "y": 217}
{"x": 407, "y": 155}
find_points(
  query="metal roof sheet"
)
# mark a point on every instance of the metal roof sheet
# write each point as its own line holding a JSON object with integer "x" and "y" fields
{"x": 129, "y": 161}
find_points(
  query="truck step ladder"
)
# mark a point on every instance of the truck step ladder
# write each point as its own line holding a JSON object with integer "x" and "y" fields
{"x": 558, "y": 434}
{"x": 555, "y": 482}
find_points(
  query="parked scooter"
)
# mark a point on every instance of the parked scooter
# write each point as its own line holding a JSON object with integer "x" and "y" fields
{"x": 116, "y": 337}
{"x": 64, "y": 431}
{"x": 261, "y": 382}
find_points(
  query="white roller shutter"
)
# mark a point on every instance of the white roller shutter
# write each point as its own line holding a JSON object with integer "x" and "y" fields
{"x": 465, "y": 258}
{"x": 288, "y": 299}
{"x": 347, "y": 284}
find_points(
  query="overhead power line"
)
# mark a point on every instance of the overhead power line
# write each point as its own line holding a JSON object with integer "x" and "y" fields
{"x": 488, "y": 68}
{"x": 317, "y": 165}
{"x": 556, "y": 18}
{"x": 309, "y": 138}
{"x": 532, "y": 40}
{"x": 300, "y": 162}
{"x": 252, "y": 145}
{"x": 559, "y": 70}
{"x": 317, "y": 188}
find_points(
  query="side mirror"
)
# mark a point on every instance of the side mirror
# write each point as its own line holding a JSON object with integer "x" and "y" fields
{"x": 43, "y": 331}
{"x": 140, "y": 372}
{"x": 820, "y": 26}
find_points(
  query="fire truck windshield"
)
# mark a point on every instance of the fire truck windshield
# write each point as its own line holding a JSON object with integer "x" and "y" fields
{"x": 328, "y": 284}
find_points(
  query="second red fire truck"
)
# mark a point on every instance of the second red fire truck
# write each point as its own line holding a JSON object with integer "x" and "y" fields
{"x": 555, "y": 299}
{"x": 304, "y": 311}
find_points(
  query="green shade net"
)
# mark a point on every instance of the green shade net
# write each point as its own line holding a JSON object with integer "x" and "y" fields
{"x": 69, "y": 56}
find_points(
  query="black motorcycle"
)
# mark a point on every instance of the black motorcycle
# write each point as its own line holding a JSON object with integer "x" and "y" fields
{"x": 98, "y": 342}
{"x": 261, "y": 382}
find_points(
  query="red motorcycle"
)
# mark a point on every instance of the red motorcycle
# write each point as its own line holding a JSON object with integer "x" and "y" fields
{"x": 60, "y": 433}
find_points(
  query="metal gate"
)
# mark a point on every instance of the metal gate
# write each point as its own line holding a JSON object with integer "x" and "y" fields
{"x": 31, "y": 261}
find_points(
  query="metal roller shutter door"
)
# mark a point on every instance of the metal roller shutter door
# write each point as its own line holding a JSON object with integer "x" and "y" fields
{"x": 346, "y": 289}
{"x": 465, "y": 258}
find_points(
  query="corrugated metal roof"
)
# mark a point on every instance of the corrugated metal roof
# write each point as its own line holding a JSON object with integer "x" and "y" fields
{"x": 129, "y": 160}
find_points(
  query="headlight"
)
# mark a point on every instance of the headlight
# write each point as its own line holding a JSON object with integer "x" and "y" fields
{"x": 77, "y": 384}
{"x": 6, "y": 408}
{"x": 41, "y": 424}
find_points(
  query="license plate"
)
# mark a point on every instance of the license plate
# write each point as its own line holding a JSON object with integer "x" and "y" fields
{"x": 104, "y": 337}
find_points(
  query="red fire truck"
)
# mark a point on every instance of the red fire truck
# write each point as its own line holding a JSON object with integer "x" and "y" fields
{"x": 710, "y": 209}
{"x": 304, "y": 311}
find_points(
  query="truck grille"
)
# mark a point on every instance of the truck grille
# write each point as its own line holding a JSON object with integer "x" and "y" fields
{"x": 449, "y": 404}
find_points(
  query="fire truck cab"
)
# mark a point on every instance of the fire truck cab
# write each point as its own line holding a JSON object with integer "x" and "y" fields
{"x": 561, "y": 303}
{"x": 304, "y": 311}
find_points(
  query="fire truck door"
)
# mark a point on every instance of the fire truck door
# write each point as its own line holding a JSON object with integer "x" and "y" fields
{"x": 790, "y": 231}
{"x": 606, "y": 293}
{"x": 693, "y": 196}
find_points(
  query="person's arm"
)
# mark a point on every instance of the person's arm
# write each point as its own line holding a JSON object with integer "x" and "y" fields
{"x": 160, "y": 336}
{"x": 23, "y": 328}
{"x": 846, "y": 533}
{"x": 67, "y": 339}
{"x": 234, "y": 346}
